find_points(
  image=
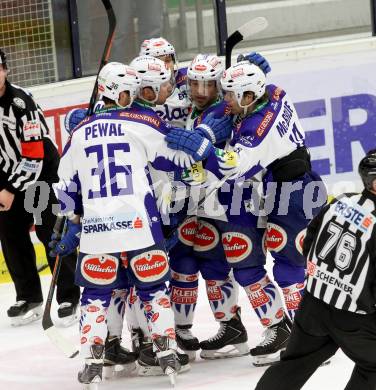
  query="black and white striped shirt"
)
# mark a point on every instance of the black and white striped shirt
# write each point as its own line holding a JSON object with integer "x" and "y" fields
{"x": 22, "y": 131}
{"x": 340, "y": 247}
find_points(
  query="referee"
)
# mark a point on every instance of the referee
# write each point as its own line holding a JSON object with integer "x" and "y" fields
{"x": 339, "y": 306}
{"x": 27, "y": 155}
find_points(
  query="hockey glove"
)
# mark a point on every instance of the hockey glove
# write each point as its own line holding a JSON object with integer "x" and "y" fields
{"x": 73, "y": 118}
{"x": 215, "y": 129}
{"x": 69, "y": 243}
{"x": 189, "y": 142}
{"x": 257, "y": 59}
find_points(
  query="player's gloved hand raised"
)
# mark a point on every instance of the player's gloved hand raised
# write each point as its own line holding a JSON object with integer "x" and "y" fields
{"x": 189, "y": 142}
{"x": 257, "y": 59}
{"x": 68, "y": 243}
{"x": 215, "y": 129}
{"x": 73, "y": 118}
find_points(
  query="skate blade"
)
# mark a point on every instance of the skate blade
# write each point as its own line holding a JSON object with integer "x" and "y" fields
{"x": 157, "y": 371}
{"x": 91, "y": 386}
{"x": 191, "y": 355}
{"x": 118, "y": 370}
{"x": 229, "y": 351}
{"x": 267, "y": 360}
{"x": 172, "y": 374}
{"x": 30, "y": 316}
{"x": 94, "y": 385}
{"x": 68, "y": 321}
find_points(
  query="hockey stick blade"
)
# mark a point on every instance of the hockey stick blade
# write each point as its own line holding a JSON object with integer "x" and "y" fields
{"x": 61, "y": 342}
{"x": 253, "y": 27}
{"x": 248, "y": 29}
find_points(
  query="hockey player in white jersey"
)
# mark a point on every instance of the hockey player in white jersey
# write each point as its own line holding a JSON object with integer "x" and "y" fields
{"x": 177, "y": 106}
{"x": 105, "y": 158}
{"x": 267, "y": 143}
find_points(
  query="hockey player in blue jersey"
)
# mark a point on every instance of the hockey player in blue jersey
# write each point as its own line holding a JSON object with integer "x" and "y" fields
{"x": 267, "y": 144}
{"x": 105, "y": 158}
{"x": 193, "y": 254}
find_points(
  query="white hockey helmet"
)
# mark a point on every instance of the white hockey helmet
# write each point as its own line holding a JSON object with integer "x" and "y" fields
{"x": 116, "y": 77}
{"x": 244, "y": 77}
{"x": 205, "y": 67}
{"x": 152, "y": 71}
{"x": 157, "y": 47}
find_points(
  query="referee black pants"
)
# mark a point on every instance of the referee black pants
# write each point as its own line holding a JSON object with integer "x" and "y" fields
{"x": 318, "y": 331}
{"x": 20, "y": 256}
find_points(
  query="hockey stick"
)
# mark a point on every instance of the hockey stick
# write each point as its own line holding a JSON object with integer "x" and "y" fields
{"x": 106, "y": 52}
{"x": 248, "y": 29}
{"x": 59, "y": 340}
{"x": 55, "y": 336}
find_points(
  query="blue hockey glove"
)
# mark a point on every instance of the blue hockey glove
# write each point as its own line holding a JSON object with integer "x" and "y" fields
{"x": 257, "y": 59}
{"x": 189, "y": 142}
{"x": 73, "y": 118}
{"x": 68, "y": 243}
{"x": 215, "y": 129}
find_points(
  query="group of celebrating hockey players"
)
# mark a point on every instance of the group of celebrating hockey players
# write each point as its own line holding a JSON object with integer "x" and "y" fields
{"x": 170, "y": 178}
{"x": 188, "y": 172}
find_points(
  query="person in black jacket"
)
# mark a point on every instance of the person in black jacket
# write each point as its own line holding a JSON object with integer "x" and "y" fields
{"x": 339, "y": 306}
{"x": 28, "y": 166}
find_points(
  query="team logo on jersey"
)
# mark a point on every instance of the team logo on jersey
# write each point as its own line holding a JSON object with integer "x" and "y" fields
{"x": 299, "y": 240}
{"x": 264, "y": 123}
{"x": 100, "y": 270}
{"x": 184, "y": 296}
{"x": 187, "y": 231}
{"x": 150, "y": 266}
{"x": 237, "y": 246}
{"x": 207, "y": 237}
{"x": 18, "y": 102}
{"x": 276, "y": 237}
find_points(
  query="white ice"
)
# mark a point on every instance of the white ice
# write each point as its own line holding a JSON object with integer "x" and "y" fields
{"x": 28, "y": 361}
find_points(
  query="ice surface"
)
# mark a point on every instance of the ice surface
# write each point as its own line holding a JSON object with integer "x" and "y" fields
{"x": 29, "y": 361}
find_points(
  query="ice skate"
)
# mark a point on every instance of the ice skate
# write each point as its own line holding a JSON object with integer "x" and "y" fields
{"x": 118, "y": 361}
{"x": 230, "y": 341}
{"x": 148, "y": 363}
{"x": 91, "y": 375}
{"x": 22, "y": 312}
{"x": 275, "y": 341}
{"x": 188, "y": 343}
{"x": 67, "y": 314}
{"x": 167, "y": 358}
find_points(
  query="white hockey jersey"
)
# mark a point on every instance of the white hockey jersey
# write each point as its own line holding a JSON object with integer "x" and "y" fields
{"x": 105, "y": 160}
